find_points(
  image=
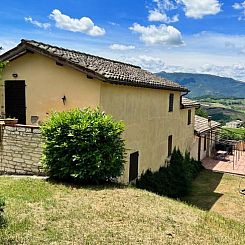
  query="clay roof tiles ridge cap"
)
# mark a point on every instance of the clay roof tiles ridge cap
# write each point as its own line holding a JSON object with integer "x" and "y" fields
{"x": 107, "y": 70}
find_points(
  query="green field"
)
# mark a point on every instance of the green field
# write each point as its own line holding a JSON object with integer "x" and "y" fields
{"x": 42, "y": 212}
{"x": 224, "y": 109}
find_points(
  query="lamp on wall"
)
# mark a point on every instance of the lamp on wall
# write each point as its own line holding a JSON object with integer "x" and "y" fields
{"x": 64, "y": 99}
{"x": 14, "y": 75}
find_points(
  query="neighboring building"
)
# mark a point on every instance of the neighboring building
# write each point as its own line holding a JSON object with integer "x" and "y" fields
{"x": 41, "y": 78}
{"x": 205, "y": 137}
{"x": 234, "y": 124}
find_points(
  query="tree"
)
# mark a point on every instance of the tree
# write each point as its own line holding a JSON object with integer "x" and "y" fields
{"x": 202, "y": 112}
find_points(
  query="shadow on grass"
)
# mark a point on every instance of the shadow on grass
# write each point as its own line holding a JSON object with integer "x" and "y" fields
{"x": 203, "y": 193}
{"x": 93, "y": 186}
{"x": 3, "y": 221}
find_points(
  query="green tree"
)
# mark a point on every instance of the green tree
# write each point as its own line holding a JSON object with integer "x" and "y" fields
{"x": 202, "y": 112}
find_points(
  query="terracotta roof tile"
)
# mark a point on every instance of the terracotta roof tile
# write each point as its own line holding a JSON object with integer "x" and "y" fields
{"x": 189, "y": 103}
{"x": 202, "y": 125}
{"x": 106, "y": 69}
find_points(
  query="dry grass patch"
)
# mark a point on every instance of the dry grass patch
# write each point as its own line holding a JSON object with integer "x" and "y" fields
{"x": 40, "y": 212}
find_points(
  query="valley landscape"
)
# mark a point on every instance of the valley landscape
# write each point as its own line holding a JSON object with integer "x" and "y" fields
{"x": 223, "y": 98}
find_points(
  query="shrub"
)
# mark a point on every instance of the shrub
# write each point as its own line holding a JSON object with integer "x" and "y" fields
{"x": 175, "y": 179}
{"x": 83, "y": 145}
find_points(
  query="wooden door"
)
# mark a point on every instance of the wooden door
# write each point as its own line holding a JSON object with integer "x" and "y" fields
{"x": 133, "y": 166}
{"x": 15, "y": 100}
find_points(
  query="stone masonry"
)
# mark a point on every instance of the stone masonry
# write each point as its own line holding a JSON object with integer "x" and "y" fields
{"x": 20, "y": 150}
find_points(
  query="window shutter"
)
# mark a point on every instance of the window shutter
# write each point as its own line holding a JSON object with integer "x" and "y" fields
{"x": 171, "y": 102}
{"x": 170, "y": 145}
{"x": 189, "y": 117}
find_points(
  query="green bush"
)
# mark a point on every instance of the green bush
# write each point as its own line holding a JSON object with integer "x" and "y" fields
{"x": 83, "y": 145}
{"x": 175, "y": 179}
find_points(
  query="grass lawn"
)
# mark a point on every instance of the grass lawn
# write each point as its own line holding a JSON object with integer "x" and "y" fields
{"x": 40, "y": 212}
{"x": 219, "y": 193}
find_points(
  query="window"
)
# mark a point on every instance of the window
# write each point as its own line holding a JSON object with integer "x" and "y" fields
{"x": 171, "y": 102}
{"x": 133, "y": 166}
{"x": 189, "y": 117}
{"x": 205, "y": 143}
{"x": 170, "y": 145}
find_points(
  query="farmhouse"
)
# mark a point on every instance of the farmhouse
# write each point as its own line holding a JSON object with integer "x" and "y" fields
{"x": 42, "y": 78}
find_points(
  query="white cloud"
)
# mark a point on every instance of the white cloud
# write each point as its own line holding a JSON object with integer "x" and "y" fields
{"x": 166, "y": 4}
{"x": 239, "y": 6}
{"x": 156, "y": 15}
{"x": 37, "y": 23}
{"x": 197, "y": 9}
{"x": 113, "y": 23}
{"x": 162, "y": 34}
{"x": 83, "y": 25}
{"x": 147, "y": 62}
{"x": 159, "y": 13}
{"x": 121, "y": 47}
{"x": 236, "y": 71}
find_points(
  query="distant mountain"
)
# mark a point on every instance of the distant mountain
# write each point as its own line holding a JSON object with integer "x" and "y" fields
{"x": 205, "y": 84}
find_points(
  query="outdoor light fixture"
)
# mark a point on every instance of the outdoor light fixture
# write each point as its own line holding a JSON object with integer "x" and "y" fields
{"x": 64, "y": 99}
{"x": 15, "y": 75}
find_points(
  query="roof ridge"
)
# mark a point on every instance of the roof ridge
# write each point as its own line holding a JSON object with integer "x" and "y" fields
{"x": 78, "y": 52}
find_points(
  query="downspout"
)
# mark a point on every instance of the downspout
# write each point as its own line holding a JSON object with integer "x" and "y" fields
{"x": 199, "y": 147}
{"x": 181, "y": 96}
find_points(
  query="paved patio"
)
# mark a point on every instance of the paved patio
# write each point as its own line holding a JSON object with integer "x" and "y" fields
{"x": 226, "y": 166}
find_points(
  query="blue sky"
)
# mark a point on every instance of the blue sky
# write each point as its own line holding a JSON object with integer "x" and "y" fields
{"x": 205, "y": 36}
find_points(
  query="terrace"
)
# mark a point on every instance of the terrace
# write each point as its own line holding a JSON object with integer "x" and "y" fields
{"x": 234, "y": 164}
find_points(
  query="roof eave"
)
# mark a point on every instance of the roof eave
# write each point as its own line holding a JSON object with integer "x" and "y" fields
{"x": 144, "y": 85}
{"x": 190, "y": 106}
{"x": 204, "y": 131}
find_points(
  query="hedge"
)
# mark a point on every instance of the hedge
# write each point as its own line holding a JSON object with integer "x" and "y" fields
{"x": 83, "y": 145}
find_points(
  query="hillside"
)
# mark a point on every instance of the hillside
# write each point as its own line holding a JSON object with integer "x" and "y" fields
{"x": 204, "y": 84}
{"x": 41, "y": 212}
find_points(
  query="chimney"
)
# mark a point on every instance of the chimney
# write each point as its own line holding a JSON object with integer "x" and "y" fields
{"x": 209, "y": 121}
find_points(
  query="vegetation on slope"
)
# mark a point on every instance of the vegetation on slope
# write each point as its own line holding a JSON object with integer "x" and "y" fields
{"x": 232, "y": 134}
{"x": 205, "y": 84}
{"x": 223, "y": 109}
{"x": 40, "y": 212}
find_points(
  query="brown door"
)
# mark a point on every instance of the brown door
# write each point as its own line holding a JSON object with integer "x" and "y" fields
{"x": 15, "y": 100}
{"x": 133, "y": 166}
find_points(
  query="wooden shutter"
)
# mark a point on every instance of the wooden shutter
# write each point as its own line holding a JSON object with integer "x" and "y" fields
{"x": 170, "y": 145}
{"x": 189, "y": 117}
{"x": 171, "y": 102}
{"x": 205, "y": 143}
{"x": 134, "y": 166}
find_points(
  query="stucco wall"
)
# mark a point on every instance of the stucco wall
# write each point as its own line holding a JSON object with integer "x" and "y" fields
{"x": 47, "y": 83}
{"x": 148, "y": 122}
{"x": 210, "y": 145}
{"x": 20, "y": 150}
